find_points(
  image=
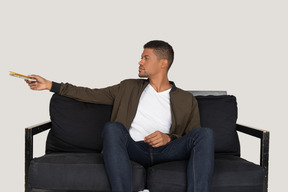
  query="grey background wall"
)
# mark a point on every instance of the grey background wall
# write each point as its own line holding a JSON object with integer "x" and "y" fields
{"x": 238, "y": 46}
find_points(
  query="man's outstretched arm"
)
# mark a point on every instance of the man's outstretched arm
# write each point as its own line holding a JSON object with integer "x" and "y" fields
{"x": 84, "y": 94}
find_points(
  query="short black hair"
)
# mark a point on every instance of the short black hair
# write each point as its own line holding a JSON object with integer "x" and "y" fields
{"x": 162, "y": 50}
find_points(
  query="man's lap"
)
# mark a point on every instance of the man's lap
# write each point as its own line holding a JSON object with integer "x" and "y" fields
{"x": 142, "y": 153}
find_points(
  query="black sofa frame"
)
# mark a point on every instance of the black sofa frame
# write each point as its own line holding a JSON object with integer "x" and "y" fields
{"x": 263, "y": 135}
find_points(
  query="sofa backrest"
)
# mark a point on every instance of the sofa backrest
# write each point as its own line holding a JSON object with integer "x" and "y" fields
{"x": 220, "y": 114}
{"x": 77, "y": 126}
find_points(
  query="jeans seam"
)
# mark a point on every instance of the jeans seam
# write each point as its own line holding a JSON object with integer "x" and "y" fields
{"x": 151, "y": 155}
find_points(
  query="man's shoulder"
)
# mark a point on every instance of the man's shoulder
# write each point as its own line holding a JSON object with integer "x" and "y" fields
{"x": 183, "y": 94}
{"x": 133, "y": 81}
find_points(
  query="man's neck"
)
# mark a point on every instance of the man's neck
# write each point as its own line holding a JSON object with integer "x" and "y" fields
{"x": 160, "y": 84}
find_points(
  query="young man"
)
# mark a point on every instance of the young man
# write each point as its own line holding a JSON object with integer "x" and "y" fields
{"x": 152, "y": 121}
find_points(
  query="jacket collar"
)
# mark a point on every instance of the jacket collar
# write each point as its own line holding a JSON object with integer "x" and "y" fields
{"x": 173, "y": 86}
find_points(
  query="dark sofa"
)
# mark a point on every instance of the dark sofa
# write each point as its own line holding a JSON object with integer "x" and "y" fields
{"x": 73, "y": 159}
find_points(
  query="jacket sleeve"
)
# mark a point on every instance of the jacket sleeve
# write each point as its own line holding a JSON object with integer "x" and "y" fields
{"x": 84, "y": 94}
{"x": 194, "y": 121}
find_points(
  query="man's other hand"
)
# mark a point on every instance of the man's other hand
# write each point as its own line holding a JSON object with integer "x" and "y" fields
{"x": 157, "y": 139}
{"x": 39, "y": 84}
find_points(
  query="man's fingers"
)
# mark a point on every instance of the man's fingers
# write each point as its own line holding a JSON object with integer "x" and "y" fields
{"x": 34, "y": 76}
{"x": 157, "y": 139}
{"x": 32, "y": 84}
{"x": 156, "y": 143}
{"x": 39, "y": 84}
{"x": 151, "y": 137}
{"x": 154, "y": 140}
{"x": 155, "y": 134}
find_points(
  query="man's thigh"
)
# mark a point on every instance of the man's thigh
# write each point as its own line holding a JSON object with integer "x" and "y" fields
{"x": 181, "y": 148}
{"x": 139, "y": 152}
{"x": 117, "y": 137}
{"x": 177, "y": 149}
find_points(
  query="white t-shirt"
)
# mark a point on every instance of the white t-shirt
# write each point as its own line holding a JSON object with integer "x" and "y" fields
{"x": 153, "y": 113}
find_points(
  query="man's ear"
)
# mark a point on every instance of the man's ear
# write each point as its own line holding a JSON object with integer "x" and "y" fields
{"x": 164, "y": 64}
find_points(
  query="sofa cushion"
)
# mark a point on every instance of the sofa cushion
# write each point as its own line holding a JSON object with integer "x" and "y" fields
{"x": 231, "y": 173}
{"x": 76, "y": 126}
{"x": 76, "y": 171}
{"x": 220, "y": 114}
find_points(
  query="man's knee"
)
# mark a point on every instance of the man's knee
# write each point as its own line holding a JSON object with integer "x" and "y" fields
{"x": 113, "y": 129}
{"x": 204, "y": 133}
{"x": 207, "y": 132}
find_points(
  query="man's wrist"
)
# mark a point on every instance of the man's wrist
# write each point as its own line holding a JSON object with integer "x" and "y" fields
{"x": 49, "y": 85}
{"x": 172, "y": 137}
{"x": 169, "y": 138}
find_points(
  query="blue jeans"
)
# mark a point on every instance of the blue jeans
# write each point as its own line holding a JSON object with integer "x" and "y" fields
{"x": 119, "y": 148}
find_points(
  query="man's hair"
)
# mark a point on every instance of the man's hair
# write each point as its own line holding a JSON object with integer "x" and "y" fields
{"x": 162, "y": 50}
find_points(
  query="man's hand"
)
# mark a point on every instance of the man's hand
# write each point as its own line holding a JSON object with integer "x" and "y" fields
{"x": 157, "y": 139}
{"x": 39, "y": 84}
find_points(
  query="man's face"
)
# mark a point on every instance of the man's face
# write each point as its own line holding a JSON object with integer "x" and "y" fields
{"x": 149, "y": 64}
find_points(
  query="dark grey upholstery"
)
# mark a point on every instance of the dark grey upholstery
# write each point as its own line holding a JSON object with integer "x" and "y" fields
{"x": 73, "y": 160}
{"x": 77, "y": 171}
{"x": 70, "y": 119}
{"x": 231, "y": 173}
{"x": 220, "y": 114}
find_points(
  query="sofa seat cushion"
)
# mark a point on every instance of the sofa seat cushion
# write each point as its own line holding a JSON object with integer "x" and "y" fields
{"x": 231, "y": 173}
{"x": 76, "y": 171}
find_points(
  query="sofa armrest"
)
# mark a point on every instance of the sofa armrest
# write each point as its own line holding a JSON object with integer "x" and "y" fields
{"x": 263, "y": 135}
{"x": 39, "y": 127}
{"x": 29, "y": 133}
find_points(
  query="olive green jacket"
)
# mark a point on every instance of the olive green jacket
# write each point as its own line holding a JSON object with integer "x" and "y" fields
{"x": 125, "y": 98}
